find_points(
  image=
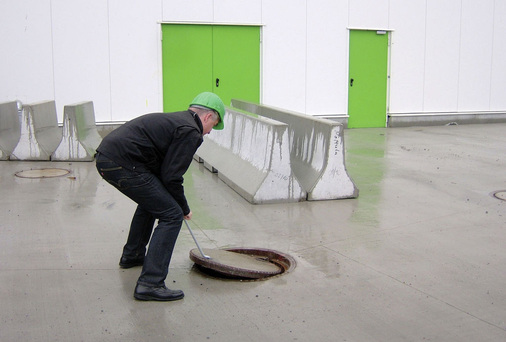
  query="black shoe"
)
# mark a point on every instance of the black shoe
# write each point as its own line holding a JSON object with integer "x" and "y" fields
{"x": 127, "y": 263}
{"x": 161, "y": 293}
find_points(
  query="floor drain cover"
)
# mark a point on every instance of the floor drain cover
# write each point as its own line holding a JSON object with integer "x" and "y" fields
{"x": 42, "y": 173}
{"x": 247, "y": 263}
{"x": 501, "y": 194}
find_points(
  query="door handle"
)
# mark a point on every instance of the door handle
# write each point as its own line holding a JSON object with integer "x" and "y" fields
{"x": 217, "y": 82}
{"x": 351, "y": 82}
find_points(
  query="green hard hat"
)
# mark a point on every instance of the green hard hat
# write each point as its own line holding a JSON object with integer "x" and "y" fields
{"x": 212, "y": 101}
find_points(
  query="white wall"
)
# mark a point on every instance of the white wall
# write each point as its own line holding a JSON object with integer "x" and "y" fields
{"x": 476, "y": 47}
{"x": 368, "y": 14}
{"x": 81, "y": 54}
{"x": 135, "y": 58}
{"x": 498, "y": 79}
{"x": 73, "y": 51}
{"x": 327, "y": 58}
{"x": 407, "y": 55}
{"x": 183, "y": 10}
{"x": 210, "y": 11}
{"x": 284, "y": 54}
{"x": 445, "y": 56}
{"x": 26, "y": 63}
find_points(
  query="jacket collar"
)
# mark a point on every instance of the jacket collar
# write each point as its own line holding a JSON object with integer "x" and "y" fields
{"x": 197, "y": 120}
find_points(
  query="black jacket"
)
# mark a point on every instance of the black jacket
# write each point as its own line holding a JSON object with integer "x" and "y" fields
{"x": 160, "y": 143}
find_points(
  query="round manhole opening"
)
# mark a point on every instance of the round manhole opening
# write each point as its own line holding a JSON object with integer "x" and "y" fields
{"x": 243, "y": 263}
{"x": 42, "y": 173}
{"x": 501, "y": 194}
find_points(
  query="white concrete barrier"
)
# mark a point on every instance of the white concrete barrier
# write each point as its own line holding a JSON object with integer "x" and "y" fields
{"x": 10, "y": 130}
{"x": 40, "y": 134}
{"x": 80, "y": 135}
{"x": 251, "y": 155}
{"x": 316, "y": 152}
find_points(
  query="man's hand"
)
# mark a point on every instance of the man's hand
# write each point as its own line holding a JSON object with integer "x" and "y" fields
{"x": 189, "y": 216}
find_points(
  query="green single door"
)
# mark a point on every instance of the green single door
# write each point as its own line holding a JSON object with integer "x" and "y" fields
{"x": 221, "y": 59}
{"x": 367, "y": 87}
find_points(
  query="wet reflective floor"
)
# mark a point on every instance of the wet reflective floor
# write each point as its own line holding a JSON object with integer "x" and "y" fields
{"x": 419, "y": 255}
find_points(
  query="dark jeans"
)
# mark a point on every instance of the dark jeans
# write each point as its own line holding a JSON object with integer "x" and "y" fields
{"x": 153, "y": 202}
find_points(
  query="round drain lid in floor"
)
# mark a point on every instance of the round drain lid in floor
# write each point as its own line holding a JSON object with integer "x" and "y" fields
{"x": 249, "y": 263}
{"x": 501, "y": 194}
{"x": 42, "y": 173}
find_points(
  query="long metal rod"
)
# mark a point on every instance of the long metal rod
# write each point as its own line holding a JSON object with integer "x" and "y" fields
{"x": 194, "y": 239}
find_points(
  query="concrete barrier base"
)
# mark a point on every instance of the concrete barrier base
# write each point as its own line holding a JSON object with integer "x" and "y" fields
{"x": 251, "y": 156}
{"x": 10, "y": 130}
{"x": 316, "y": 152}
{"x": 80, "y": 135}
{"x": 39, "y": 134}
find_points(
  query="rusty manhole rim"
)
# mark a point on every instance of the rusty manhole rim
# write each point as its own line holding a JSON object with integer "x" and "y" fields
{"x": 495, "y": 195}
{"x": 286, "y": 262}
{"x": 63, "y": 172}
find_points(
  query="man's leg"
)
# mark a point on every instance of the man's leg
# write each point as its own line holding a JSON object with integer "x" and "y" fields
{"x": 151, "y": 195}
{"x": 156, "y": 203}
{"x": 134, "y": 250}
{"x": 156, "y": 263}
{"x": 151, "y": 283}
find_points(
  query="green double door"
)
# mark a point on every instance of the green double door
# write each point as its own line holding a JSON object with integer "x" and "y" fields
{"x": 368, "y": 71}
{"x": 221, "y": 59}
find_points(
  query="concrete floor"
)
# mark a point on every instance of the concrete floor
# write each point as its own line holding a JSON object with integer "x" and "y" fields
{"x": 420, "y": 255}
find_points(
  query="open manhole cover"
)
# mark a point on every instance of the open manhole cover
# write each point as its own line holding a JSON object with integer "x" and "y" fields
{"x": 501, "y": 194}
{"x": 42, "y": 173}
{"x": 242, "y": 263}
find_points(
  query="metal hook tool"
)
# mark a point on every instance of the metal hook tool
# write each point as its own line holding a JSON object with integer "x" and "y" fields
{"x": 194, "y": 239}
